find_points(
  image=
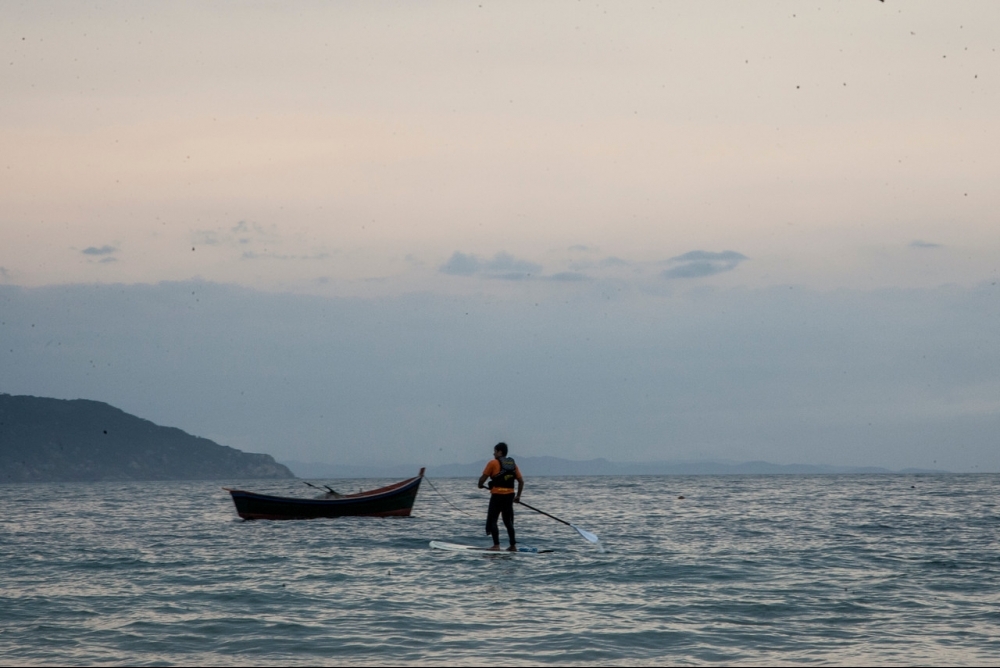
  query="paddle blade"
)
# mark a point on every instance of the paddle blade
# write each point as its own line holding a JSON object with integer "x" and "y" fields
{"x": 586, "y": 534}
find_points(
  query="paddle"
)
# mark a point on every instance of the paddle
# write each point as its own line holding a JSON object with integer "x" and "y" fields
{"x": 332, "y": 491}
{"x": 583, "y": 532}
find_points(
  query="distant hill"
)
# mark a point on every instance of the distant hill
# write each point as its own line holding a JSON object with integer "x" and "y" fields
{"x": 555, "y": 466}
{"x": 49, "y": 440}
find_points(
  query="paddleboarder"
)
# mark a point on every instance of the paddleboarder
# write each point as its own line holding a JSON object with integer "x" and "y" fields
{"x": 501, "y": 471}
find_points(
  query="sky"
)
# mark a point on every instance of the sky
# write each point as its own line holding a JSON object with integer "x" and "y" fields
{"x": 367, "y": 232}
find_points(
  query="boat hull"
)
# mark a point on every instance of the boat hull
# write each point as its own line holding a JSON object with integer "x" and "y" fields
{"x": 391, "y": 501}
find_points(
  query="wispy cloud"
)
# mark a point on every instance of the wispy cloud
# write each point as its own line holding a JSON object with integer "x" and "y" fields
{"x": 251, "y": 255}
{"x": 253, "y": 241}
{"x": 502, "y": 266}
{"x": 246, "y": 231}
{"x": 568, "y": 276}
{"x": 460, "y": 264}
{"x": 242, "y": 234}
{"x": 699, "y": 264}
{"x": 917, "y": 243}
{"x": 507, "y": 263}
{"x": 608, "y": 263}
{"x": 103, "y": 250}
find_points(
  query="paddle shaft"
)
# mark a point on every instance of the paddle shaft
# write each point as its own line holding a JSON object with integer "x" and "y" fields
{"x": 319, "y": 488}
{"x": 545, "y": 513}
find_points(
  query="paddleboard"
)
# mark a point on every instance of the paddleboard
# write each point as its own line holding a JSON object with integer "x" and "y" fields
{"x": 455, "y": 547}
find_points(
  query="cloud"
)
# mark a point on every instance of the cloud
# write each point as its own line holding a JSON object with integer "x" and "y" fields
{"x": 699, "y": 264}
{"x": 502, "y": 266}
{"x": 917, "y": 243}
{"x": 708, "y": 256}
{"x": 206, "y": 238}
{"x": 4, "y": 274}
{"x": 250, "y": 241}
{"x": 510, "y": 276}
{"x": 460, "y": 264}
{"x": 568, "y": 276}
{"x": 251, "y": 255}
{"x": 507, "y": 263}
{"x": 246, "y": 231}
{"x": 608, "y": 263}
{"x": 108, "y": 260}
{"x": 695, "y": 270}
{"x": 242, "y": 233}
{"x": 103, "y": 250}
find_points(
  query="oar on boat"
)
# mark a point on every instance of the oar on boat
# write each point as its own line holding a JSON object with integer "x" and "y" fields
{"x": 332, "y": 490}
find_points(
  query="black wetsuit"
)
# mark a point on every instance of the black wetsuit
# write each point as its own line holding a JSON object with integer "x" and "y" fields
{"x": 501, "y": 505}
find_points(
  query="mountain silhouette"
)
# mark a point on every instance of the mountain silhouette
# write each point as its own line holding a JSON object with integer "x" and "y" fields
{"x": 50, "y": 440}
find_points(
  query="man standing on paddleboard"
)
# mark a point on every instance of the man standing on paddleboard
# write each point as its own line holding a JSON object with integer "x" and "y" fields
{"x": 501, "y": 472}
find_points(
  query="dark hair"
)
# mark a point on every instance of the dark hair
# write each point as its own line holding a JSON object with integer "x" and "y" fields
{"x": 502, "y": 447}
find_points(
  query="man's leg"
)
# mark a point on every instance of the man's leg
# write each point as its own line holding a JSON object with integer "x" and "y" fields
{"x": 508, "y": 517}
{"x": 491, "y": 518}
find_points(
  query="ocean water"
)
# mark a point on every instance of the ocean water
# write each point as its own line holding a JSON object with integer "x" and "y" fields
{"x": 854, "y": 569}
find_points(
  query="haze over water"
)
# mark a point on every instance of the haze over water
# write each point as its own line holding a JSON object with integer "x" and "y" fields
{"x": 894, "y": 569}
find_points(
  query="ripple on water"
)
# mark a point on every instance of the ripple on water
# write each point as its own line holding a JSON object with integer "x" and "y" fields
{"x": 744, "y": 569}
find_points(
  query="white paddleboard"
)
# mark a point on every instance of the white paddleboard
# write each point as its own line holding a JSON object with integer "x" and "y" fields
{"x": 455, "y": 547}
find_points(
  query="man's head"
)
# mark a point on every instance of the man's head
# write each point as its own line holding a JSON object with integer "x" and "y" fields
{"x": 500, "y": 450}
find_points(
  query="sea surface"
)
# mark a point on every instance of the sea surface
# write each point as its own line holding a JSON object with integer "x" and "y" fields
{"x": 829, "y": 569}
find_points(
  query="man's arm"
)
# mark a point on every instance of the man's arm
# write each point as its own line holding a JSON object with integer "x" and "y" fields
{"x": 492, "y": 467}
{"x": 520, "y": 486}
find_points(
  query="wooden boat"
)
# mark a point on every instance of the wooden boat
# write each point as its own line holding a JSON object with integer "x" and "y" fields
{"x": 394, "y": 500}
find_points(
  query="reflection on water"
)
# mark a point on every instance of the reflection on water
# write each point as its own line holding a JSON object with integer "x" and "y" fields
{"x": 743, "y": 569}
